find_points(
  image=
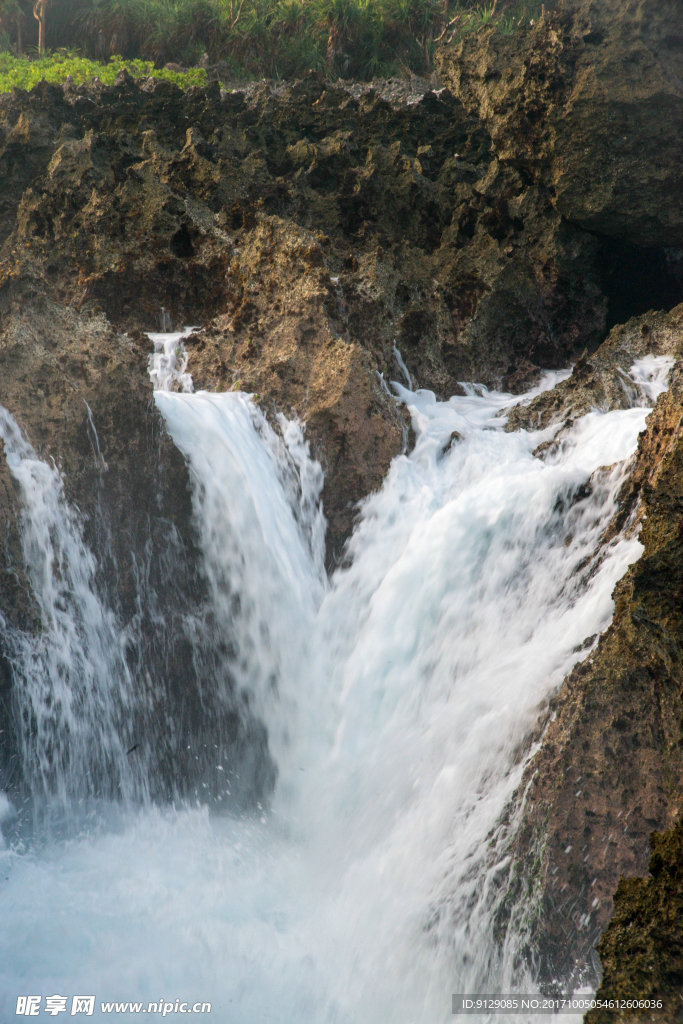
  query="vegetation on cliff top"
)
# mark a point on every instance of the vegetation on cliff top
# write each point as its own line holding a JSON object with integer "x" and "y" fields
{"x": 254, "y": 38}
{"x": 56, "y": 68}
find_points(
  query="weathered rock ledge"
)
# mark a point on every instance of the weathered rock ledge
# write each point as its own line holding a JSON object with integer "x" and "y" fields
{"x": 306, "y": 231}
{"x": 588, "y": 103}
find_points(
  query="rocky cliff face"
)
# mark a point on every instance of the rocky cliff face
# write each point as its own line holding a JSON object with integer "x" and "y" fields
{"x": 306, "y": 231}
{"x": 641, "y": 950}
{"x": 488, "y": 230}
{"x": 609, "y": 768}
{"x": 588, "y": 107}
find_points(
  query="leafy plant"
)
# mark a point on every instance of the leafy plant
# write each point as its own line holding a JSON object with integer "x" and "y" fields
{"x": 57, "y": 67}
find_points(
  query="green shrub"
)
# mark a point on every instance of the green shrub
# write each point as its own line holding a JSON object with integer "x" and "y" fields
{"x": 56, "y": 68}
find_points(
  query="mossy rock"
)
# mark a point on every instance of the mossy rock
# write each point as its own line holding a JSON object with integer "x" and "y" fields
{"x": 642, "y": 950}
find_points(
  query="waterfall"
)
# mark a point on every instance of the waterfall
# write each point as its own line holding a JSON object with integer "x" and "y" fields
{"x": 76, "y": 690}
{"x": 401, "y": 702}
{"x": 265, "y": 569}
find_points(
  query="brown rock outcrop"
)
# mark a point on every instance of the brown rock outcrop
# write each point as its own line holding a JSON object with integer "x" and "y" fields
{"x": 589, "y": 104}
{"x": 601, "y": 380}
{"x": 642, "y": 950}
{"x": 307, "y": 231}
{"x": 610, "y": 766}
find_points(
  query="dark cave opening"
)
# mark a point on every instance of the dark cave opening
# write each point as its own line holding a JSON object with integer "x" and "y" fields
{"x": 636, "y": 280}
{"x": 181, "y": 243}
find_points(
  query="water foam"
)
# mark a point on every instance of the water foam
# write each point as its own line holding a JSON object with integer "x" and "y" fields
{"x": 401, "y": 700}
{"x": 76, "y": 688}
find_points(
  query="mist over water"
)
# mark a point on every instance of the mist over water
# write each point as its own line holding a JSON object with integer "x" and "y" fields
{"x": 401, "y": 700}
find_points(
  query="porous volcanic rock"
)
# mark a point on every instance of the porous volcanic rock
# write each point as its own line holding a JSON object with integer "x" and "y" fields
{"x": 601, "y": 380}
{"x": 642, "y": 950}
{"x": 307, "y": 230}
{"x": 610, "y": 765}
{"x": 588, "y": 103}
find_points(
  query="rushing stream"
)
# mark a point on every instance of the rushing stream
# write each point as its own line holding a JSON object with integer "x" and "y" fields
{"x": 400, "y": 699}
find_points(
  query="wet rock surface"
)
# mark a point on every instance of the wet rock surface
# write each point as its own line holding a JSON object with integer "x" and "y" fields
{"x": 609, "y": 769}
{"x": 642, "y": 949}
{"x": 601, "y": 380}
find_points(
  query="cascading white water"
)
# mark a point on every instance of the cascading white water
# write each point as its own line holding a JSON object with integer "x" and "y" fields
{"x": 400, "y": 700}
{"x": 270, "y": 558}
{"x": 168, "y": 362}
{"x": 77, "y": 688}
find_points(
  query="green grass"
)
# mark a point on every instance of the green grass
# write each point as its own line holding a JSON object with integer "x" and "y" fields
{"x": 254, "y": 38}
{"x": 23, "y": 73}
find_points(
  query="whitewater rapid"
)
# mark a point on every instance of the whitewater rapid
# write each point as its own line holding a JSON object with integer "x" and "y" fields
{"x": 401, "y": 698}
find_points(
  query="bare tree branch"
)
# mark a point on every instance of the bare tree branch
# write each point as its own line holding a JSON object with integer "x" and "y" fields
{"x": 453, "y": 21}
